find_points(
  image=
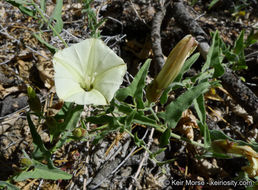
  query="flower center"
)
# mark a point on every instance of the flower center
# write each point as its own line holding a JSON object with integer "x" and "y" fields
{"x": 87, "y": 85}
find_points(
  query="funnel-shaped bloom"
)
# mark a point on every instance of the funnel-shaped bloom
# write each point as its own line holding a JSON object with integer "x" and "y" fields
{"x": 225, "y": 146}
{"x": 172, "y": 67}
{"x": 88, "y": 73}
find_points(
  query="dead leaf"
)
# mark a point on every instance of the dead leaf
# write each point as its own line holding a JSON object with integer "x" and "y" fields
{"x": 46, "y": 74}
{"x": 6, "y": 91}
{"x": 24, "y": 69}
{"x": 186, "y": 124}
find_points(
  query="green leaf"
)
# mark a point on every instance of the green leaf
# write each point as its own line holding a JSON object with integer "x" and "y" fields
{"x": 57, "y": 16}
{"x": 129, "y": 119}
{"x": 43, "y": 5}
{"x": 239, "y": 53}
{"x": 213, "y": 3}
{"x": 173, "y": 86}
{"x": 154, "y": 154}
{"x": 193, "y": 2}
{"x": 103, "y": 119}
{"x": 72, "y": 116}
{"x": 165, "y": 137}
{"x": 202, "y": 76}
{"x": 51, "y": 48}
{"x": 175, "y": 109}
{"x": 231, "y": 57}
{"x": 23, "y": 6}
{"x": 8, "y": 185}
{"x": 135, "y": 89}
{"x": 201, "y": 112}
{"x": 206, "y": 134}
{"x": 200, "y": 108}
{"x": 161, "y": 115}
{"x": 100, "y": 136}
{"x": 27, "y": 160}
{"x": 43, "y": 172}
{"x": 124, "y": 108}
{"x": 212, "y": 153}
{"x": 71, "y": 119}
{"x": 139, "y": 118}
{"x": 187, "y": 65}
{"x": 39, "y": 145}
{"x": 214, "y": 57}
{"x": 239, "y": 43}
{"x": 251, "y": 39}
{"x": 58, "y": 128}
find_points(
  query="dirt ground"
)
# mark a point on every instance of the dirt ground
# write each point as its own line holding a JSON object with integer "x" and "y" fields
{"x": 128, "y": 30}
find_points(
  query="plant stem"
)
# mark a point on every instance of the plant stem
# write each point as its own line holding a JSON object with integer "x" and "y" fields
{"x": 99, "y": 128}
{"x": 129, "y": 132}
{"x": 179, "y": 137}
{"x": 154, "y": 114}
{"x": 187, "y": 140}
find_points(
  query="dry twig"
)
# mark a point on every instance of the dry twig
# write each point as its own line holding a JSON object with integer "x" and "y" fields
{"x": 145, "y": 157}
{"x": 156, "y": 38}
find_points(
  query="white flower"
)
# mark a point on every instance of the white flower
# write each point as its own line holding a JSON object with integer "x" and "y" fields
{"x": 88, "y": 73}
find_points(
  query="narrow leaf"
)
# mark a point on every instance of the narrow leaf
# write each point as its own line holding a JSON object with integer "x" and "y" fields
{"x": 57, "y": 16}
{"x": 213, "y": 3}
{"x": 23, "y": 6}
{"x": 51, "y": 48}
{"x": 200, "y": 108}
{"x": 37, "y": 139}
{"x": 43, "y": 5}
{"x": 71, "y": 119}
{"x": 206, "y": 134}
{"x": 239, "y": 44}
{"x": 9, "y": 186}
{"x": 165, "y": 137}
{"x": 129, "y": 119}
{"x": 135, "y": 89}
{"x": 144, "y": 120}
{"x": 187, "y": 65}
{"x": 103, "y": 119}
{"x": 173, "y": 86}
{"x": 214, "y": 57}
{"x": 175, "y": 109}
{"x": 43, "y": 172}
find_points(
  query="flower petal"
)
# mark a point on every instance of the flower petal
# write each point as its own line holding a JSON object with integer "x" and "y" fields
{"x": 77, "y": 94}
{"x": 105, "y": 58}
{"x": 109, "y": 81}
{"x": 73, "y": 60}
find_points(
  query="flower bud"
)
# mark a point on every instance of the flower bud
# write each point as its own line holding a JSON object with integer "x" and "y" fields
{"x": 79, "y": 132}
{"x": 26, "y": 162}
{"x": 33, "y": 100}
{"x": 172, "y": 67}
